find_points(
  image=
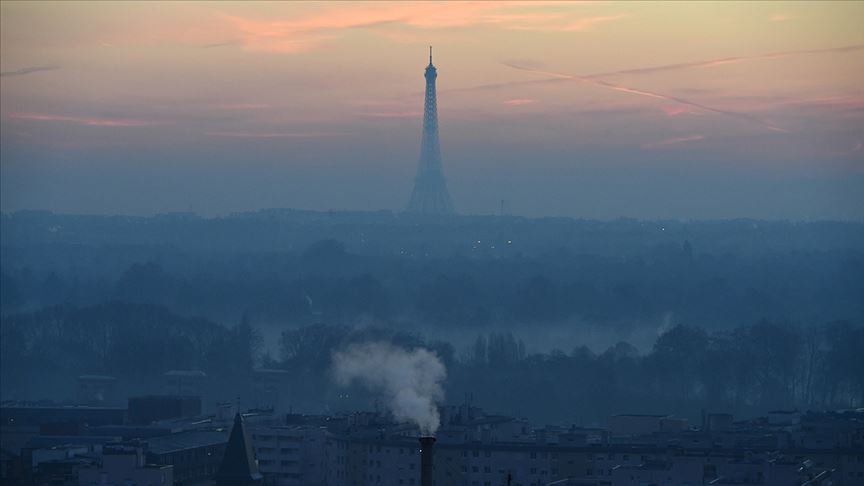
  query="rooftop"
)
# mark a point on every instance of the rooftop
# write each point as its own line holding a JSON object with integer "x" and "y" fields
{"x": 186, "y": 440}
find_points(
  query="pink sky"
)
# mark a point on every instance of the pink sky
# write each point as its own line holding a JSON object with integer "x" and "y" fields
{"x": 770, "y": 86}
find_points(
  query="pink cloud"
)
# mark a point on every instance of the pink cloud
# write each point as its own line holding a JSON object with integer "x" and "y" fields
{"x": 241, "y": 106}
{"x": 672, "y": 141}
{"x": 856, "y": 149}
{"x": 588, "y": 22}
{"x": 299, "y": 34}
{"x": 519, "y": 102}
{"x": 780, "y": 17}
{"x": 393, "y": 114}
{"x": 264, "y": 134}
{"x": 677, "y": 110}
{"x": 303, "y": 34}
{"x": 92, "y": 122}
{"x": 859, "y": 148}
{"x": 578, "y": 25}
{"x": 845, "y": 102}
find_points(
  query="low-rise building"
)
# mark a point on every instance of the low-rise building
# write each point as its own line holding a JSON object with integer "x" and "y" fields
{"x": 195, "y": 454}
{"x": 125, "y": 465}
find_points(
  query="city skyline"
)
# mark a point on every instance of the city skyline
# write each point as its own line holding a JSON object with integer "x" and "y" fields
{"x": 586, "y": 109}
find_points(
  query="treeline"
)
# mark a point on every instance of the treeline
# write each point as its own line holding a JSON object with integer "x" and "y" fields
{"x": 746, "y": 370}
{"x": 327, "y": 283}
{"x": 388, "y": 233}
{"x": 42, "y": 353}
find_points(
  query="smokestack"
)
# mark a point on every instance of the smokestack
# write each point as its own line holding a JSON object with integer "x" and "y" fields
{"x": 427, "y": 450}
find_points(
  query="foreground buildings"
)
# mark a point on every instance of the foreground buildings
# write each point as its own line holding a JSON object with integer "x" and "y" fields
{"x": 80, "y": 445}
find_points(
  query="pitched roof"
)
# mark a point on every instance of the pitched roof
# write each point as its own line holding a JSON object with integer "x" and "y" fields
{"x": 239, "y": 467}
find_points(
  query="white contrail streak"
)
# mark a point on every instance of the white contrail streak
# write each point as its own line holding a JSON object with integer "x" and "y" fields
{"x": 650, "y": 94}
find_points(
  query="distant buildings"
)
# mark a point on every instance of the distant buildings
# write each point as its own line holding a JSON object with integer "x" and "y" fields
{"x": 184, "y": 382}
{"x": 148, "y": 409}
{"x": 269, "y": 387}
{"x": 636, "y": 424}
{"x": 122, "y": 464}
{"x": 473, "y": 448}
{"x": 292, "y": 454}
{"x": 97, "y": 390}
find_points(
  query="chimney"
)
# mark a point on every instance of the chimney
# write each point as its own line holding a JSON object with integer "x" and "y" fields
{"x": 427, "y": 449}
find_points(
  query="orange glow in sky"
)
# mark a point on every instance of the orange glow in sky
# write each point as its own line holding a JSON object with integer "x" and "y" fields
{"x": 765, "y": 84}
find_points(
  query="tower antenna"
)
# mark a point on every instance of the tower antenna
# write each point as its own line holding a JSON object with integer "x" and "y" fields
{"x": 430, "y": 55}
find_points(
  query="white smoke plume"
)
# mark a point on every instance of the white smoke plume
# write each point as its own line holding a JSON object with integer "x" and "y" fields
{"x": 410, "y": 380}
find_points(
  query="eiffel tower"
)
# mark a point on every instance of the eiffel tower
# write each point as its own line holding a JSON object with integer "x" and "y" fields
{"x": 430, "y": 194}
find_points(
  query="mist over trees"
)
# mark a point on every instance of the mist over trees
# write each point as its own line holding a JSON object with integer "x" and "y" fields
{"x": 325, "y": 282}
{"x": 747, "y": 370}
{"x": 741, "y": 316}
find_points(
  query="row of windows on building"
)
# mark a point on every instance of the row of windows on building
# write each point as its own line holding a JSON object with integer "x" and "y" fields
{"x": 271, "y": 462}
{"x": 282, "y": 450}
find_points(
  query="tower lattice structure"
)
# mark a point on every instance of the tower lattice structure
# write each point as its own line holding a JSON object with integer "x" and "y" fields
{"x": 430, "y": 194}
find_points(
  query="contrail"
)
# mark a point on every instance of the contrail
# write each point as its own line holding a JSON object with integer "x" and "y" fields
{"x": 651, "y": 94}
{"x": 725, "y": 60}
{"x": 669, "y": 67}
{"x": 28, "y": 70}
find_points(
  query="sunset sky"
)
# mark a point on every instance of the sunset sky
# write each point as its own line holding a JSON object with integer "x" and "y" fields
{"x": 584, "y": 109}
